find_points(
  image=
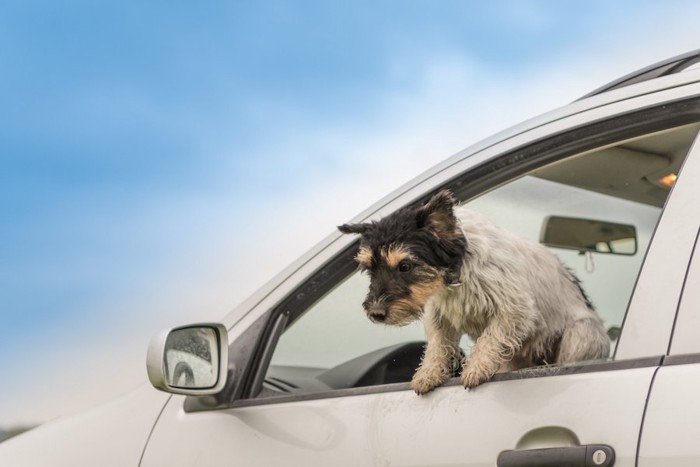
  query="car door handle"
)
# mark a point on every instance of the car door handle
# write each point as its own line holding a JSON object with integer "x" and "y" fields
{"x": 591, "y": 455}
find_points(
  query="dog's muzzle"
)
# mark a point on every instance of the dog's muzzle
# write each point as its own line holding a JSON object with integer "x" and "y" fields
{"x": 375, "y": 311}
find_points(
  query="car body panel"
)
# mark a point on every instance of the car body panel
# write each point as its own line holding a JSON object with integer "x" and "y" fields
{"x": 671, "y": 429}
{"x": 114, "y": 434}
{"x": 686, "y": 336}
{"x": 445, "y": 427}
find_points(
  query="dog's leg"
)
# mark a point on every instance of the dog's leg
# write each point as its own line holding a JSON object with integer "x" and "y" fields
{"x": 487, "y": 357}
{"x": 502, "y": 338}
{"x": 584, "y": 339}
{"x": 441, "y": 351}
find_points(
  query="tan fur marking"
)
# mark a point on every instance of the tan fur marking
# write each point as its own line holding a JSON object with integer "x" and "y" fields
{"x": 421, "y": 292}
{"x": 364, "y": 256}
{"x": 406, "y": 310}
{"x": 393, "y": 255}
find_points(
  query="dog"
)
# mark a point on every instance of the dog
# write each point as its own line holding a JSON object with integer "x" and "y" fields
{"x": 460, "y": 273}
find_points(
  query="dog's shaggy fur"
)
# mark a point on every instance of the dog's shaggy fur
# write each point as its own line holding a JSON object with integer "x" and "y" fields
{"x": 461, "y": 274}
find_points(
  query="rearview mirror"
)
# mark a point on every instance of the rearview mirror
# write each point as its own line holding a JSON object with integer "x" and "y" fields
{"x": 189, "y": 360}
{"x": 587, "y": 235}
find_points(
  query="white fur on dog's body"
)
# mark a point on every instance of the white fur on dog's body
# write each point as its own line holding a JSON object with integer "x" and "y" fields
{"x": 515, "y": 300}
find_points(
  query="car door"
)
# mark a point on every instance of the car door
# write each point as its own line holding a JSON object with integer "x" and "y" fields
{"x": 671, "y": 428}
{"x": 313, "y": 386}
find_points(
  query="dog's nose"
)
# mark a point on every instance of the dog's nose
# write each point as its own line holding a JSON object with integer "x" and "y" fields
{"x": 376, "y": 313}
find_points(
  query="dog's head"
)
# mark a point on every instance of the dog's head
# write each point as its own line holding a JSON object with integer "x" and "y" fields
{"x": 409, "y": 255}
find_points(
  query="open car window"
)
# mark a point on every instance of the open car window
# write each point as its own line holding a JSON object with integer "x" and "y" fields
{"x": 332, "y": 345}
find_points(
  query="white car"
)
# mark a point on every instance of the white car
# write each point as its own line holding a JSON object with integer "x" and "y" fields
{"x": 297, "y": 375}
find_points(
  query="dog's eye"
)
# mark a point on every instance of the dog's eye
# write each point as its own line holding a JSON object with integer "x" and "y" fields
{"x": 405, "y": 266}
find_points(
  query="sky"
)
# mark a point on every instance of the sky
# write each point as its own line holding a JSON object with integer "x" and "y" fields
{"x": 159, "y": 161}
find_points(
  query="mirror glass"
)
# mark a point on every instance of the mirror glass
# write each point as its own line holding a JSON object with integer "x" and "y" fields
{"x": 191, "y": 357}
{"x": 589, "y": 235}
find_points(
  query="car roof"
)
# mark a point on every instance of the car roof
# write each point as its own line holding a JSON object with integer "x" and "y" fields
{"x": 666, "y": 67}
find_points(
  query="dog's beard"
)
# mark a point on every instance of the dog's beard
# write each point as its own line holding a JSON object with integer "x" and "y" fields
{"x": 398, "y": 313}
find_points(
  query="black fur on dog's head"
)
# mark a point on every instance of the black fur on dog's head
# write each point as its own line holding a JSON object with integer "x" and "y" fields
{"x": 409, "y": 255}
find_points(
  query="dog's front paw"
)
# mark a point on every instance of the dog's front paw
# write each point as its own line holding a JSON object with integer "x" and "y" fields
{"x": 472, "y": 375}
{"x": 472, "y": 379}
{"x": 425, "y": 380}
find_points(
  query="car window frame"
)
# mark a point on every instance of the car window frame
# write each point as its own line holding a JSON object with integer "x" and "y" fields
{"x": 678, "y": 228}
{"x": 251, "y": 352}
{"x": 688, "y": 304}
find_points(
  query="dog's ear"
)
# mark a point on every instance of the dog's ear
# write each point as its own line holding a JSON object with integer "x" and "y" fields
{"x": 438, "y": 217}
{"x": 353, "y": 228}
{"x": 438, "y": 214}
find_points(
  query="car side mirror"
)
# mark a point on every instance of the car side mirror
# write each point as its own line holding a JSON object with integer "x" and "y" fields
{"x": 587, "y": 235}
{"x": 189, "y": 360}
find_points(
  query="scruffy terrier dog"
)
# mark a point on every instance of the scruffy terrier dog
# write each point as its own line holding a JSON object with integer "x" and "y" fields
{"x": 461, "y": 274}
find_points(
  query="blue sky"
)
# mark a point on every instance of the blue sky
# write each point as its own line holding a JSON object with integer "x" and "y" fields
{"x": 160, "y": 160}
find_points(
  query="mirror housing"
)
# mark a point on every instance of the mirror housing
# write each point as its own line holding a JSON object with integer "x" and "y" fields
{"x": 190, "y": 360}
{"x": 587, "y": 235}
